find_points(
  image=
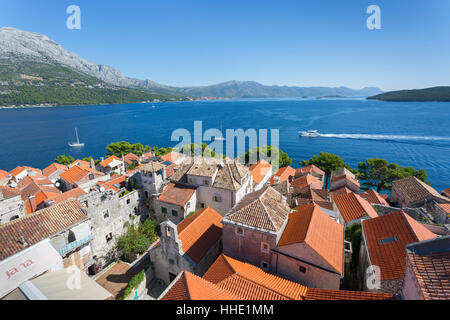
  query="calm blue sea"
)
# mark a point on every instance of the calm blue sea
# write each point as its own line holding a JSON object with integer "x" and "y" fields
{"x": 409, "y": 133}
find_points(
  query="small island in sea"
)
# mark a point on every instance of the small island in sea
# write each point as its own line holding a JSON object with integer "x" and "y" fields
{"x": 426, "y": 95}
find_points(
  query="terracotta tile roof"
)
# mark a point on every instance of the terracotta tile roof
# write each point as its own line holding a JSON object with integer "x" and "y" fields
{"x": 191, "y": 287}
{"x": 33, "y": 189}
{"x": 80, "y": 163}
{"x": 445, "y": 207}
{"x": 446, "y": 193}
{"x": 39, "y": 226}
{"x": 283, "y": 174}
{"x": 40, "y": 181}
{"x": 172, "y": 156}
{"x": 8, "y": 192}
{"x": 16, "y": 171}
{"x": 374, "y": 197}
{"x": 349, "y": 178}
{"x": 53, "y": 168}
{"x": 390, "y": 256}
{"x": 340, "y": 191}
{"x": 170, "y": 170}
{"x": 430, "y": 263}
{"x": 199, "y": 232}
{"x": 45, "y": 195}
{"x": 35, "y": 170}
{"x": 353, "y": 207}
{"x": 326, "y": 294}
{"x": 436, "y": 229}
{"x": 76, "y": 173}
{"x": 130, "y": 158}
{"x": 71, "y": 194}
{"x": 251, "y": 283}
{"x": 263, "y": 209}
{"x": 414, "y": 190}
{"x": 309, "y": 224}
{"x": 307, "y": 180}
{"x": 108, "y": 160}
{"x": 309, "y": 169}
{"x": 259, "y": 170}
{"x": 176, "y": 194}
{"x": 113, "y": 183}
{"x": 3, "y": 174}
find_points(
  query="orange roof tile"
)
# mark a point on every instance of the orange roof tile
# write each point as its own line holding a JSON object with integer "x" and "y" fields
{"x": 307, "y": 180}
{"x": 309, "y": 224}
{"x": 446, "y": 193}
{"x": 309, "y": 169}
{"x": 107, "y": 161}
{"x": 176, "y": 194}
{"x": 390, "y": 256}
{"x": 259, "y": 170}
{"x": 326, "y": 294}
{"x": 374, "y": 197}
{"x": 14, "y": 172}
{"x": 113, "y": 183}
{"x": 345, "y": 177}
{"x": 76, "y": 173}
{"x": 130, "y": 158}
{"x": 71, "y": 194}
{"x": 3, "y": 174}
{"x": 172, "y": 156}
{"x": 53, "y": 168}
{"x": 353, "y": 207}
{"x": 44, "y": 195}
{"x": 340, "y": 191}
{"x": 250, "y": 282}
{"x": 283, "y": 174}
{"x": 191, "y": 287}
{"x": 8, "y": 192}
{"x": 199, "y": 232}
{"x": 80, "y": 163}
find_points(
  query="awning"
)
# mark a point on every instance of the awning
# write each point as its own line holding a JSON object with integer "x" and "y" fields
{"x": 64, "y": 284}
{"x": 27, "y": 264}
{"x": 69, "y": 284}
{"x": 81, "y": 231}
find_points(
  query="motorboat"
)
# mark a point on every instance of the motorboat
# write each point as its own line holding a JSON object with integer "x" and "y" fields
{"x": 310, "y": 133}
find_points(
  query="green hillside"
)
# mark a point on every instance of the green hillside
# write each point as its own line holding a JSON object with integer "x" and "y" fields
{"x": 429, "y": 94}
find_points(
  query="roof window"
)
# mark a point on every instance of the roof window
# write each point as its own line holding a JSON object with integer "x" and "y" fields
{"x": 388, "y": 240}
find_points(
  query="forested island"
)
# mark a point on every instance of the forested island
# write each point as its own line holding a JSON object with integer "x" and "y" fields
{"x": 428, "y": 94}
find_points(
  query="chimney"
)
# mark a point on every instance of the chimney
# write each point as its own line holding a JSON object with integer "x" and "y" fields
{"x": 92, "y": 164}
{"x": 102, "y": 158}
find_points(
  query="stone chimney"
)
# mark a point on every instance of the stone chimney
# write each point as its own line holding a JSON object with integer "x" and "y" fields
{"x": 92, "y": 164}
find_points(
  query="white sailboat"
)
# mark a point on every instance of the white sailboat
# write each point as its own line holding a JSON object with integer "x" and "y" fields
{"x": 76, "y": 144}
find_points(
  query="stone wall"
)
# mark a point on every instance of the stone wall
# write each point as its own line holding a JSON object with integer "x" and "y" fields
{"x": 11, "y": 208}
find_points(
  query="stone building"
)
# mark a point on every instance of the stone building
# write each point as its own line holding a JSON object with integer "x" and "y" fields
{"x": 427, "y": 270}
{"x": 109, "y": 210}
{"x": 305, "y": 255}
{"x": 412, "y": 192}
{"x": 11, "y": 205}
{"x": 312, "y": 170}
{"x": 383, "y": 247}
{"x": 442, "y": 213}
{"x": 65, "y": 225}
{"x": 175, "y": 203}
{"x": 220, "y": 184}
{"x": 191, "y": 246}
{"x": 254, "y": 226}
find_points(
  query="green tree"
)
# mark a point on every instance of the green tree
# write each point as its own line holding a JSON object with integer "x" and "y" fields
{"x": 328, "y": 162}
{"x": 124, "y": 147}
{"x": 65, "y": 160}
{"x": 265, "y": 152}
{"x": 195, "y": 150}
{"x": 379, "y": 173}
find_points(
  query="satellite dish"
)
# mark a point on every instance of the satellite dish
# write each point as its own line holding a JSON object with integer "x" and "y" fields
{"x": 102, "y": 189}
{"x": 57, "y": 184}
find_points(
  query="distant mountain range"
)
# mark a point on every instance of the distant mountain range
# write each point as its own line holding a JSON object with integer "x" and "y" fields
{"x": 34, "y": 69}
{"x": 428, "y": 94}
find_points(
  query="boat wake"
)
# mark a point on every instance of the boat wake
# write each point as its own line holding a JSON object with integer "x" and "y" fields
{"x": 382, "y": 137}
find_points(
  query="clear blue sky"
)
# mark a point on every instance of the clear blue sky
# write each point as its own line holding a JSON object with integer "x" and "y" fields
{"x": 285, "y": 42}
